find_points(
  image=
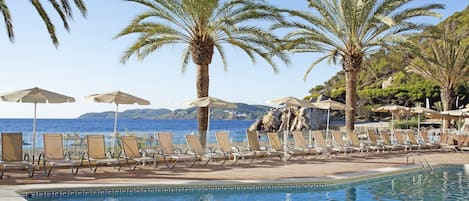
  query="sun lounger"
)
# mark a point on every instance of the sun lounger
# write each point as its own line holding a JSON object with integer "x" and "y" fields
{"x": 340, "y": 144}
{"x": 12, "y": 154}
{"x": 321, "y": 146}
{"x": 373, "y": 140}
{"x": 387, "y": 144}
{"x": 96, "y": 153}
{"x": 235, "y": 153}
{"x": 195, "y": 148}
{"x": 413, "y": 140}
{"x": 300, "y": 144}
{"x": 401, "y": 141}
{"x": 356, "y": 142}
{"x": 426, "y": 140}
{"x": 254, "y": 145}
{"x": 172, "y": 156}
{"x": 54, "y": 155}
{"x": 130, "y": 152}
{"x": 275, "y": 144}
{"x": 464, "y": 146}
{"x": 447, "y": 143}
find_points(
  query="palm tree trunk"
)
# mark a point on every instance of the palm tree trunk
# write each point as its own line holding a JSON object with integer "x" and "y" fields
{"x": 351, "y": 66}
{"x": 446, "y": 94}
{"x": 350, "y": 98}
{"x": 202, "y": 80}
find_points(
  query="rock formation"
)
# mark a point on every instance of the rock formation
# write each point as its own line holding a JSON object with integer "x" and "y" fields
{"x": 291, "y": 119}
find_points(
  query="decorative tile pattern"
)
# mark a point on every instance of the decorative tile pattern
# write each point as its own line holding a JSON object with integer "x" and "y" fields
{"x": 126, "y": 190}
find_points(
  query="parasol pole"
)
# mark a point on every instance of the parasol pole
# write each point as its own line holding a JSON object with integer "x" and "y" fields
{"x": 285, "y": 134}
{"x": 418, "y": 124}
{"x": 113, "y": 141}
{"x": 34, "y": 131}
{"x": 392, "y": 123}
{"x": 327, "y": 125}
{"x": 208, "y": 130}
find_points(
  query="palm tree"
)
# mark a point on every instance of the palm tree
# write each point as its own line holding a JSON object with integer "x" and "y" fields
{"x": 346, "y": 31}
{"x": 203, "y": 26}
{"x": 62, "y": 7}
{"x": 443, "y": 57}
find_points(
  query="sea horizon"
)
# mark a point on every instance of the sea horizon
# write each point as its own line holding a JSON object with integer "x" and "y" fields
{"x": 139, "y": 127}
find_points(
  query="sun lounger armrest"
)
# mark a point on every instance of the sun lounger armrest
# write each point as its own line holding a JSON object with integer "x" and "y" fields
{"x": 179, "y": 151}
{"x": 149, "y": 152}
{"x": 41, "y": 155}
{"x": 67, "y": 155}
{"x": 108, "y": 154}
{"x": 238, "y": 149}
{"x": 26, "y": 157}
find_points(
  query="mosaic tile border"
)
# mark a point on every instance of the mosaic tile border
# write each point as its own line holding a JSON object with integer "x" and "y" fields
{"x": 232, "y": 187}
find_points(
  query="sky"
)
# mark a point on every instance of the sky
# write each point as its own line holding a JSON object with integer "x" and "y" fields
{"x": 87, "y": 62}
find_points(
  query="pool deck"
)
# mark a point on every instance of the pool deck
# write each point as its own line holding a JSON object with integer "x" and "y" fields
{"x": 313, "y": 170}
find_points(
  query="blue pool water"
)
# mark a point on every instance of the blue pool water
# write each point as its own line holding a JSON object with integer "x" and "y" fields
{"x": 448, "y": 183}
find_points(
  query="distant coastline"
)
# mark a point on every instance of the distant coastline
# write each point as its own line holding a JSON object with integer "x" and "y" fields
{"x": 243, "y": 112}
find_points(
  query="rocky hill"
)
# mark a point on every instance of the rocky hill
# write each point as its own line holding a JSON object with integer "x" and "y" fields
{"x": 243, "y": 112}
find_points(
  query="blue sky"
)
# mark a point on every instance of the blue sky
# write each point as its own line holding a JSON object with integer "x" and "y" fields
{"x": 87, "y": 62}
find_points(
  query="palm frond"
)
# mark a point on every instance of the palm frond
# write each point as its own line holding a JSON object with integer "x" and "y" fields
{"x": 221, "y": 51}
{"x": 310, "y": 67}
{"x": 45, "y": 18}
{"x": 7, "y": 20}
{"x": 186, "y": 54}
{"x": 62, "y": 12}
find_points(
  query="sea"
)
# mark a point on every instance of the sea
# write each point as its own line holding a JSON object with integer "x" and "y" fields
{"x": 141, "y": 128}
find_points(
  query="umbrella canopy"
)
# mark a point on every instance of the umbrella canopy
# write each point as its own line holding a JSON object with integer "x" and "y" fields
{"x": 464, "y": 113}
{"x": 422, "y": 110}
{"x": 35, "y": 95}
{"x": 456, "y": 113}
{"x": 117, "y": 97}
{"x": 210, "y": 102}
{"x": 394, "y": 109}
{"x": 289, "y": 102}
{"x": 330, "y": 105}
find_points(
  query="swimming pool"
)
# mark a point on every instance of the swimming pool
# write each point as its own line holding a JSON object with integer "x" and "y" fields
{"x": 443, "y": 183}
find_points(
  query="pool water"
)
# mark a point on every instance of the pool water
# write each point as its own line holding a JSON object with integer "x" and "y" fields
{"x": 444, "y": 183}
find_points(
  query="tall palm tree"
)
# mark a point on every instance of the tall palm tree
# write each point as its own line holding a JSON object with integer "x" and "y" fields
{"x": 62, "y": 7}
{"x": 203, "y": 26}
{"x": 443, "y": 57}
{"x": 346, "y": 31}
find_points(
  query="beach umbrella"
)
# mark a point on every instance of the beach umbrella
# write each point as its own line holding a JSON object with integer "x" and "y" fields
{"x": 118, "y": 98}
{"x": 289, "y": 102}
{"x": 457, "y": 113}
{"x": 394, "y": 109}
{"x": 422, "y": 110}
{"x": 35, "y": 95}
{"x": 210, "y": 102}
{"x": 330, "y": 105}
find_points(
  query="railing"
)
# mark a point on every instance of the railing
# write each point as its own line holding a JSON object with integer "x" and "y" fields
{"x": 426, "y": 166}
